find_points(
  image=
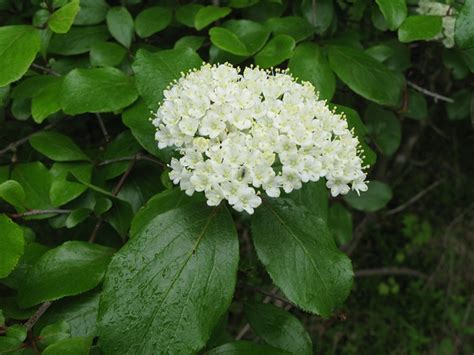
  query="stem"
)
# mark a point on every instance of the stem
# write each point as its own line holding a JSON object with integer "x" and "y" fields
{"x": 37, "y": 315}
{"x": 14, "y": 145}
{"x": 430, "y": 93}
{"x": 39, "y": 212}
{"x": 139, "y": 156}
{"x": 390, "y": 271}
{"x": 45, "y": 69}
{"x": 102, "y": 127}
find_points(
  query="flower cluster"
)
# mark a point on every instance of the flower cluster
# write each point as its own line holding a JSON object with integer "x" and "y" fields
{"x": 448, "y": 14}
{"x": 241, "y": 133}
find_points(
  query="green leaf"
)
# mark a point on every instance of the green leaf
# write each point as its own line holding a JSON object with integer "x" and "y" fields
{"x": 77, "y": 216}
{"x": 417, "y": 105}
{"x": 63, "y": 191}
{"x": 366, "y": 76}
{"x": 153, "y": 298}
{"x": 252, "y": 34}
{"x": 17, "y": 331}
{"x": 55, "y": 332}
{"x": 12, "y": 192}
{"x": 158, "y": 204}
{"x": 78, "y": 40}
{"x": 293, "y": 26}
{"x": 72, "y": 346}
{"x": 137, "y": 118}
{"x": 384, "y": 128}
{"x": 47, "y": 101}
{"x": 80, "y": 312}
{"x": 308, "y": 63}
{"x": 57, "y": 146}
{"x": 70, "y": 269}
{"x": 97, "y": 90}
{"x": 207, "y": 15}
{"x": 461, "y": 107}
{"x": 277, "y": 50}
{"x": 320, "y": 15}
{"x": 279, "y": 328}
{"x": 193, "y": 42}
{"x": 61, "y": 20}
{"x": 18, "y": 48}
{"x": 11, "y": 245}
{"x": 124, "y": 145}
{"x": 36, "y": 182}
{"x": 152, "y": 20}
{"x": 120, "y": 25}
{"x": 394, "y": 11}
{"x": 464, "y": 30}
{"x": 375, "y": 198}
{"x": 92, "y": 12}
{"x": 227, "y": 40}
{"x": 185, "y": 14}
{"x": 106, "y": 54}
{"x": 301, "y": 257}
{"x": 32, "y": 253}
{"x": 154, "y": 71}
{"x": 245, "y": 347}
{"x": 314, "y": 196}
{"x": 419, "y": 28}
{"x": 340, "y": 223}
{"x": 239, "y": 4}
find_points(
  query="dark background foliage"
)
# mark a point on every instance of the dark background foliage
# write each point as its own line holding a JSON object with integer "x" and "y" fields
{"x": 83, "y": 183}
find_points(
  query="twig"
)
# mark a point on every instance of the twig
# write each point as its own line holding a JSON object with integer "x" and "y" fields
{"x": 269, "y": 294}
{"x": 37, "y": 315}
{"x": 415, "y": 198}
{"x": 358, "y": 233}
{"x": 14, "y": 145}
{"x": 115, "y": 191}
{"x": 45, "y": 69}
{"x": 430, "y": 93}
{"x": 102, "y": 127}
{"x": 139, "y": 156}
{"x": 39, "y": 212}
{"x": 390, "y": 271}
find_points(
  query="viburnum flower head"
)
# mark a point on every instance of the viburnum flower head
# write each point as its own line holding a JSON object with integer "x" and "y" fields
{"x": 241, "y": 134}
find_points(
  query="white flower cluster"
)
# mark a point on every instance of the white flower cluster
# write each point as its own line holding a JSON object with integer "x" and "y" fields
{"x": 243, "y": 133}
{"x": 448, "y": 14}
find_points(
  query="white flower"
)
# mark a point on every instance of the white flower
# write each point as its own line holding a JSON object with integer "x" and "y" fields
{"x": 240, "y": 135}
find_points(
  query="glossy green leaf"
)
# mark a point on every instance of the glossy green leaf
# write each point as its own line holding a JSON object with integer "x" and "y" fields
{"x": 47, "y": 101}
{"x": 11, "y": 245}
{"x": 340, "y": 223}
{"x": 63, "y": 191}
{"x": 208, "y": 14}
{"x": 242, "y": 347}
{"x": 276, "y": 51}
{"x": 61, "y": 20}
{"x": 55, "y": 332}
{"x": 152, "y": 20}
{"x": 394, "y": 12}
{"x": 293, "y": 26}
{"x": 120, "y": 25}
{"x": 301, "y": 256}
{"x": 193, "y": 42}
{"x": 158, "y": 204}
{"x": 106, "y": 54}
{"x": 73, "y": 346}
{"x": 186, "y": 14}
{"x": 461, "y": 107}
{"x": 308, "y": 63}
{"x": 375, "y": 198}
{"x": 97, "y": 90}
{"x": 57, "y": 146}
{"x": 154, "y": 71}
{"x": 12, "y": 192}
{"x": 464, "y": 30}
{"x": 417, "y": 105}
{"x": 384, "y": 129}
{"x": 78, "y": 40}
{"x": 77, "y": 216}
{"x": 92, "y": 12}
{"x": 365, "y": 75}
{"x": 153, "y": 299}
{"x": 279, "y": 328}
{"x": 18, "y": 48}
{"x": 320, "y": 15}
{"x": 36, "y": 182}
{"x": 79, "y": 312}
{"x": 252, "y": 34}
{"x": 419, "y": 28}
{"x": 314, "y": 196}
{"x": 70, "y": 269}
{"x": 228, "y": 41}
